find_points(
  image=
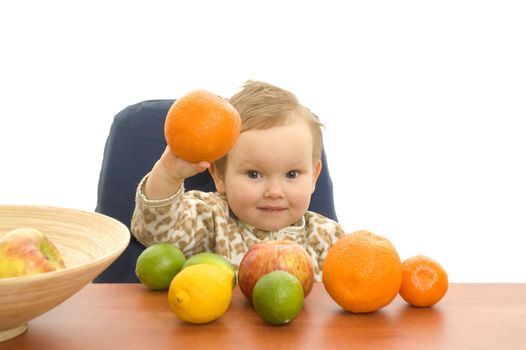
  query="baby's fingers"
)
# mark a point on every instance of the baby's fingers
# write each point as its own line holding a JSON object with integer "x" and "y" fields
{"x": 201, "y": 166}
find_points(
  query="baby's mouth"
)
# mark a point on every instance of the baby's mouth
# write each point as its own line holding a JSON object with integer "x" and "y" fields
{"x": 272, "y": 208}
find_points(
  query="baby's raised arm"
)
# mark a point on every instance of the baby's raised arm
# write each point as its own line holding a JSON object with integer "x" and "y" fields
{"x": 168, "y": 174}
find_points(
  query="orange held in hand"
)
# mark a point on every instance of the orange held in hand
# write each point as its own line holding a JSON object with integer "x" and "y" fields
{"x": 362, "y": 272}
{"x": 424, "y": 281}
{"x": 201, "y": 126}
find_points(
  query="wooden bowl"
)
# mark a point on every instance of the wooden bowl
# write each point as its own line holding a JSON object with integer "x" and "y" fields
{"x": 88, "y": 242}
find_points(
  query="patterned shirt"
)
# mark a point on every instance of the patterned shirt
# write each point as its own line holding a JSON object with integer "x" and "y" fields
{"x": 197, "y": 221}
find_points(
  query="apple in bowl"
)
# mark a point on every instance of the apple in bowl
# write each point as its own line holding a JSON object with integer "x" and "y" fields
{"x": 268, "y": 256}
{"x": 27, "y": 251}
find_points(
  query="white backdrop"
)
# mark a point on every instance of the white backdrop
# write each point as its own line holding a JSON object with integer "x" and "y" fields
{"x": 424, "y": 105}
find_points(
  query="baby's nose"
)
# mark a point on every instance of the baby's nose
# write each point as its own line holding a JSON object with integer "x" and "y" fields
{"x": 274, "y": 189}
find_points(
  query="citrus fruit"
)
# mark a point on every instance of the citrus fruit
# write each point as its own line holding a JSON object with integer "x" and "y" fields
{"x": 424, "y": 281}
{"x": 200, "y": 293}
{"x": 213, "y": 259}
{"x": 158, "y": 264}
{"x": 201, "y": 126}
{"x": 362, "y": 272}
{"x": 278, "y": 297}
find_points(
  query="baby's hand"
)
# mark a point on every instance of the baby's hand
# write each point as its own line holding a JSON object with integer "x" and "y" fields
{"x": 168, "y": 175}
{"x": 179, "y": 168}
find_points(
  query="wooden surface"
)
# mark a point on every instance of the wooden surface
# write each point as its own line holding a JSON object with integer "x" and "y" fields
{"x": 128, "y": 316}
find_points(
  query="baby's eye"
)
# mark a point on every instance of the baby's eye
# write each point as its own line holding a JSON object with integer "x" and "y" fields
{"x": 252, "y": 174}
{"x": 292, "y": 174}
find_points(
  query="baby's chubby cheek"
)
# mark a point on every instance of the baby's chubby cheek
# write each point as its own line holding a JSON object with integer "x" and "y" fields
{"x": 239, "y": 202}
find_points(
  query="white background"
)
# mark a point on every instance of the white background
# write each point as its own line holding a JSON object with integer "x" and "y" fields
{"x": 424, "y": 105}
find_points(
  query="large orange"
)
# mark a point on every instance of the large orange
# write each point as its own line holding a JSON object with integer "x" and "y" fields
{"x": 201, "y": 126}
{"x": 424, "y": 281}
{"x": 362, "y": 272}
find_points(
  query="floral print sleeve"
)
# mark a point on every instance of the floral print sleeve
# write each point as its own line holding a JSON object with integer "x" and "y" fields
{"x": 322, "y": 233}
{"x": 185, "y": 219}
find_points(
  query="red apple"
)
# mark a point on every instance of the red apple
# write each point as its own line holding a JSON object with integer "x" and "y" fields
{"x": 26, "y": 251}
{"x": 268, "y": 256}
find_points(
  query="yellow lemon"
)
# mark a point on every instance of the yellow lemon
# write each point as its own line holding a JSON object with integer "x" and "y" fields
{"x": 200, "y": 293}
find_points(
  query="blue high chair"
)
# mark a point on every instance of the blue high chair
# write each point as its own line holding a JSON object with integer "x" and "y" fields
{"x": 135, "y": 142}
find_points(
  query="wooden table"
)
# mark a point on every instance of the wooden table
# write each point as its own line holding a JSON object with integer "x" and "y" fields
{"x": 128, "y": 316}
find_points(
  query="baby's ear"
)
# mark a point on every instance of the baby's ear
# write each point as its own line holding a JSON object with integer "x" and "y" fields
{"x": 217, "y": 176}
{"x": 316, "y": 171}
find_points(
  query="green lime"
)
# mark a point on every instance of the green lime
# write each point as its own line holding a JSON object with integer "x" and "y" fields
{"x": 278, "y": 297}
{"x": 213, "y": 259}
{"x": 158, "y": 264}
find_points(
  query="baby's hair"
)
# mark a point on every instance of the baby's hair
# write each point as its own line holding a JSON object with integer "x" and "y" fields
{"x": 262, "y": 106}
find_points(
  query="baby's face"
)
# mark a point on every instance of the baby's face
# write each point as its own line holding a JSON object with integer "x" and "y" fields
{"x": 270, "y": 176}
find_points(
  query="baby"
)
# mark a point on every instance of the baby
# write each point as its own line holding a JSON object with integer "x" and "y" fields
{"x": 264, "y": 185}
